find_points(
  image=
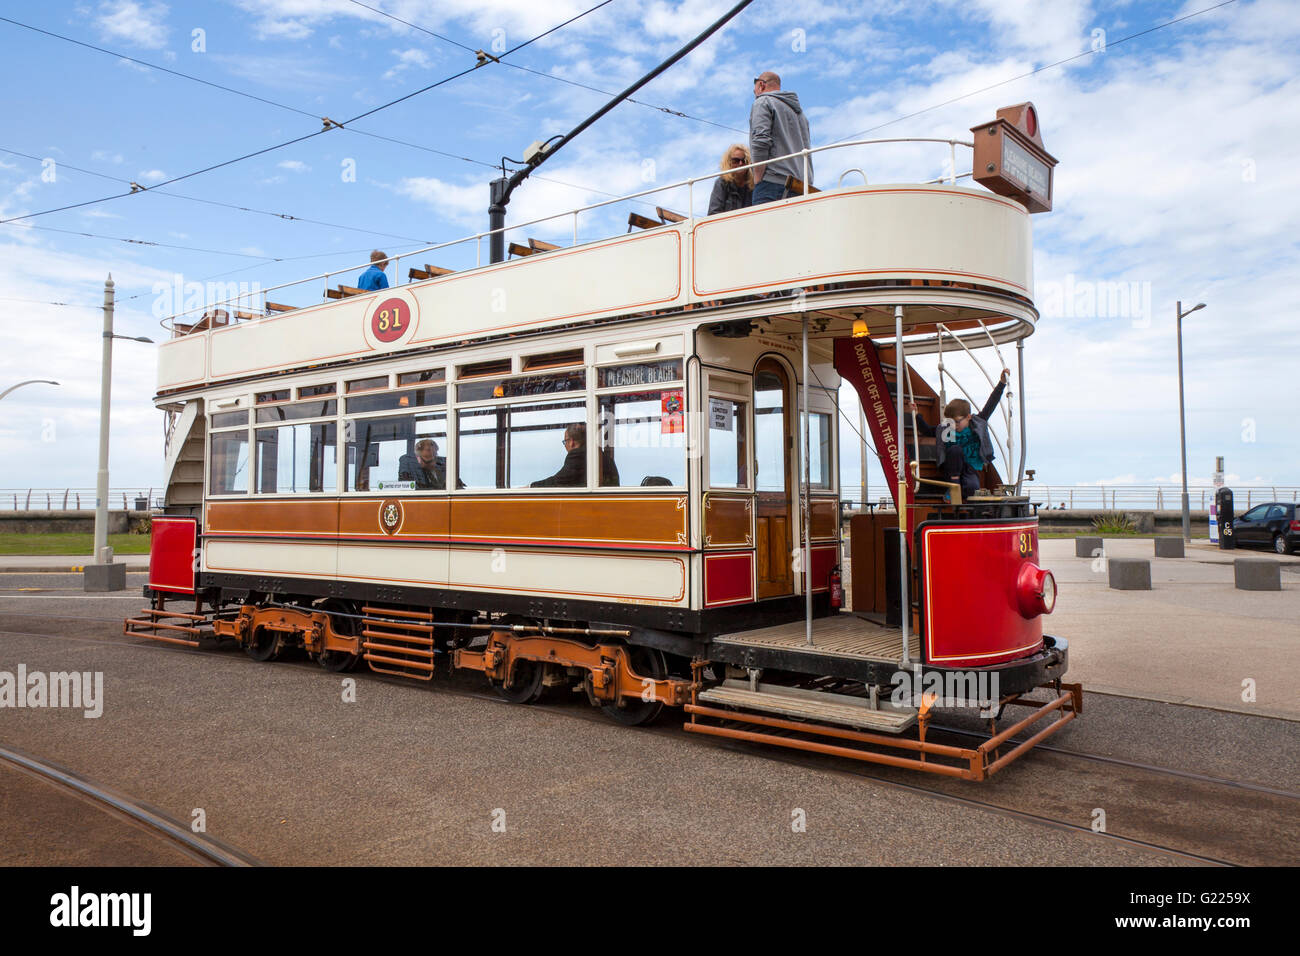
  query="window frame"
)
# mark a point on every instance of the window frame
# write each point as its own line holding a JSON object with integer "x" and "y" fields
{"x": 600, "y": 393}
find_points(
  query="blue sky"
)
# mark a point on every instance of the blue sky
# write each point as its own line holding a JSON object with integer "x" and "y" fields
{"x": 1178, "y": 177}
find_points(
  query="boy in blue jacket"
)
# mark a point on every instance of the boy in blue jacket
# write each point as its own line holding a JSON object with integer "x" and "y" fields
{"x": 965, "y": 446}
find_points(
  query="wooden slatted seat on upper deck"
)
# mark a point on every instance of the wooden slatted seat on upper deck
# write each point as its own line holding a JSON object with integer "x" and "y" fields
{"x": 344, "y": 291}
{"x": 637, "y": 221}
{"x": 519, "y": 250}
{"x": 538, "y": 246}
{"x": 429, "y": 272}
{"x": 794, "y": 186}
{"x": 667, "y": 215}
{"x": 277, "y": 307}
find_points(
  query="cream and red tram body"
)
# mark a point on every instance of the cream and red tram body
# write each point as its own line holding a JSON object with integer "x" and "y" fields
{"x": 674, "y": 559}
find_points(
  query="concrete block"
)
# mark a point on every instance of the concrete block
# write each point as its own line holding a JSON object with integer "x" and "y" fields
{"x": 104, "y": 577}
{"x": 1129, "y": 574}
{"x": 1087, "y": 547}
{"x": 1257, "y": 574}
{"x": 1169, "y": 547}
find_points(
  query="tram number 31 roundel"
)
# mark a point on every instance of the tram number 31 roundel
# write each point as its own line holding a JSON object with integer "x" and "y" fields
{"x": 390, "y": 320}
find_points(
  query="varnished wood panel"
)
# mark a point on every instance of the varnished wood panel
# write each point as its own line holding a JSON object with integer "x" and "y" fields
{"x": 775, "y": 571}
{"x": 825, "y": 518}
{"x": 427, "y": 517}
{"x": 728, "y": 521}
{"x": 312, "y": 518}
{"x": 579, "y": 519}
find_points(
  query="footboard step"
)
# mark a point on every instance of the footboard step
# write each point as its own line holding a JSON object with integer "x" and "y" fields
{"x": 811, "y": 705}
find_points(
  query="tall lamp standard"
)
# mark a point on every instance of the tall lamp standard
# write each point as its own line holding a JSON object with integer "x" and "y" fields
{"x": 1182, "y": 418}
{"x": 102, "y": 574}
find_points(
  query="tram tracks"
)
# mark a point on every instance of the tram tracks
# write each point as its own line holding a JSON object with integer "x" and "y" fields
{"x": 196, "y": 846}
{"x": 1193, "y": 850}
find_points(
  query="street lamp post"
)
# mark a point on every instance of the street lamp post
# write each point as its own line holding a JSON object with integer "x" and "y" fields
{"x": 30, "y": 381}
{"x": 102, "y": 573}
{"x": 1182, "y": 418}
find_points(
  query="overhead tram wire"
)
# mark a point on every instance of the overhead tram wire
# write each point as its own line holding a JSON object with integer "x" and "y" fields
{"x": 327, "y": 127}
{"x": 549, "y": 76}
{"x": 215, "y": 202}
{"x": 294, "y": 109}
{"x": 161, "y": 245}
{"x": 1068, "y": 59}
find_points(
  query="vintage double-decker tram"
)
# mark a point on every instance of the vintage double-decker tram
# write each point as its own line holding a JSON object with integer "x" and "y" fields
{"x": 613, "y": 466}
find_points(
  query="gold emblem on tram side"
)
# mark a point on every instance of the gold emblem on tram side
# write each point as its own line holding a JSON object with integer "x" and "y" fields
{"x": 390, "y": 516}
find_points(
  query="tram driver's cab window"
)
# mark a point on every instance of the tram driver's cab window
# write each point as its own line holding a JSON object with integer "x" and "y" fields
{"x": 396, "y": 452}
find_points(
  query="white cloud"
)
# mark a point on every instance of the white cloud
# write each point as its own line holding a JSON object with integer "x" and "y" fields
{"x": 407, "y": 59}
{"x": 139, "y": 24}
{"x": 294, "y": 165}
{"x": 151, "y": 176}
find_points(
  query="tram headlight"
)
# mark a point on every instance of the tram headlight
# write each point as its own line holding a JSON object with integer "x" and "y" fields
{"x": 1035, "y": 590}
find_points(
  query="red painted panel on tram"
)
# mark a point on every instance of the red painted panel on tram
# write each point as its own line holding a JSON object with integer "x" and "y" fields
{"x": 728, "y": 578}
{"x": 171, "y": 554}
{"x": 973, "y": 616}
{"x": 823, "y": 559}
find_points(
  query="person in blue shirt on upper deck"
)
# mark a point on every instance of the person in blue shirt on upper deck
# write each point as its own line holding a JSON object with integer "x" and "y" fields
{"x": 374, "y": 278}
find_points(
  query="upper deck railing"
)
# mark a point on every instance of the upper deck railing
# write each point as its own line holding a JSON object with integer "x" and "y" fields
{"x": 252, "y": 305}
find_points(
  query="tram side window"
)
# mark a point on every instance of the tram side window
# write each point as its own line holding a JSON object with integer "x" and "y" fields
{"x": 645, "y": 435}
{"x": 297, "y": 458}
{"x": 385, "y": 453}
{"x": 511, "y": 446}
{"x": 819, "y": 446}
{"x": 728, "y": 444}
{"x": 228, "y": 463}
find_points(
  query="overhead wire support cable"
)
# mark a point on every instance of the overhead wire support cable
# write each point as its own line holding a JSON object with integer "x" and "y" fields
{"x": 327, "y": 125}
{"x": 542, "y": 73}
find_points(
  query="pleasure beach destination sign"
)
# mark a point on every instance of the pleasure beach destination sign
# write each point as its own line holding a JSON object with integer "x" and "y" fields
{"x": 1010, "y": 158}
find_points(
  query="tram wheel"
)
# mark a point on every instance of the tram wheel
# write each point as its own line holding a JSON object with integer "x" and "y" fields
{"x": 339, "y": 661}
{"x": 264, "y": 645}
{"x": 525, "y": 684}
{"x": 648, "y": 662}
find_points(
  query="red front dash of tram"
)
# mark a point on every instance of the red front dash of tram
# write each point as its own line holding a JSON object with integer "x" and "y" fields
{"x": 984, "y": 592}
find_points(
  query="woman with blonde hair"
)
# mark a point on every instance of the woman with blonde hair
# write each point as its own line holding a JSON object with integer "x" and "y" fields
{"x": 732, "y": 190}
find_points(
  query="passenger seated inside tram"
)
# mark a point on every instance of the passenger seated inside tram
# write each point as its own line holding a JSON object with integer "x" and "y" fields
{"x": 424, "y": 467}
{"x": 965, "y": 445}
{"x": 573, "y": 473}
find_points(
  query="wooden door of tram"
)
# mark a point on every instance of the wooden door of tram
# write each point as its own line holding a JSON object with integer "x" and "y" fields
{"x": 773, "y": 444}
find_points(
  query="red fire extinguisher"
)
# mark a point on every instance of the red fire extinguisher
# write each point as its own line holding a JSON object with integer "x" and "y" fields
{"x": 837, "y": 588}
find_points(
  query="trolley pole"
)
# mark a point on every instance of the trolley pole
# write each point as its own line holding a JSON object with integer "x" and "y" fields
{"x": 904, "y": 569}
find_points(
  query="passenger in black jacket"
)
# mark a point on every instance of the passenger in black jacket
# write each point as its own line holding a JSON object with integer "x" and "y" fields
{"x": 573, "y": 473}
{"x": 731, "y": 191}
{"x": 965, "y": 446}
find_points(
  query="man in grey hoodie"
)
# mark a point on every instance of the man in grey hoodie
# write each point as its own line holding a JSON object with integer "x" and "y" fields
{"x": 777, "y": 127}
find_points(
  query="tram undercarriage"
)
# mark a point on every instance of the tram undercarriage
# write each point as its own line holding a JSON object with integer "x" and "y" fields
{"x": 838, "y": 696}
